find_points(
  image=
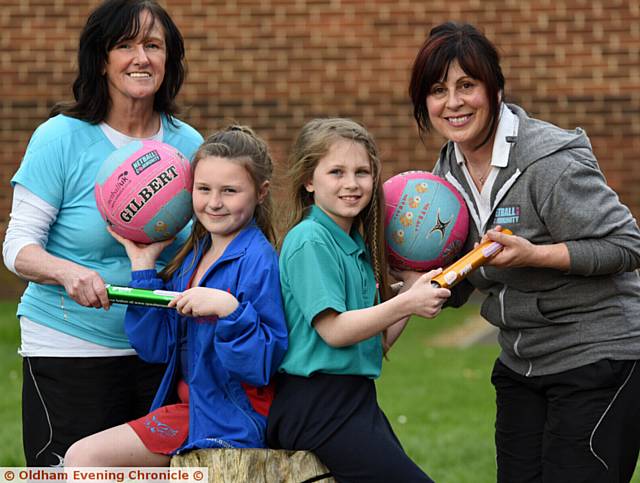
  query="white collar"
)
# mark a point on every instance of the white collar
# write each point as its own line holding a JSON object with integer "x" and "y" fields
{"x": 507, "y": 127}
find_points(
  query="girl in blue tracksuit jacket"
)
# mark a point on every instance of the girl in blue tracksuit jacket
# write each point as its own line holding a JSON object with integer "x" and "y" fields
{"x": 227, "y": 334}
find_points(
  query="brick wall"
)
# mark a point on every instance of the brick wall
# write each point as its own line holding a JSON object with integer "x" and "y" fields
{"x": 275, "y": 64}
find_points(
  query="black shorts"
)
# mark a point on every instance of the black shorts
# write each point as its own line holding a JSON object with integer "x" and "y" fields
{"x": 338, "y": 418}
{"x": 581, "y": 425}
{"x": 65, "y": 399}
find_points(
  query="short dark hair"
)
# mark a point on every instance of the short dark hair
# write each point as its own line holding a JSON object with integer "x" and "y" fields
{"x": 477, "y": 57}
{"x": 110, "y": 23}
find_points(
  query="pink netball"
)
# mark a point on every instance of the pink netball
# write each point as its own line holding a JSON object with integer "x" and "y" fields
{"x": 143, "y": 191}
{"x": 426, "y": 221}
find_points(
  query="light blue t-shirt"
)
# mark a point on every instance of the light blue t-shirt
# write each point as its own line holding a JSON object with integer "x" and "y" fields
{"x": 60, "y": 166}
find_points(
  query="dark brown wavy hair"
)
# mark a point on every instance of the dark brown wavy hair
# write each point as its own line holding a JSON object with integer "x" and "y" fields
{"x": 109, "y": 24}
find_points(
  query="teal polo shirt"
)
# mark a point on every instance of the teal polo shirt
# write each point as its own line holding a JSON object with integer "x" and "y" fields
{"x": 322, "y": 267}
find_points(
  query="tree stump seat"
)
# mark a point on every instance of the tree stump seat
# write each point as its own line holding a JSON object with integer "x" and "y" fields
{"x": 256, "y": 465}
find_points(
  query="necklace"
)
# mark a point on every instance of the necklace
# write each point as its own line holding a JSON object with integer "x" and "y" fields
{"x": 483, "y": 177}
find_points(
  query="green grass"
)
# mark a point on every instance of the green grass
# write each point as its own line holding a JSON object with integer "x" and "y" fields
{"x": 441, "y": 403}
{"x": 10, "y": 387}
{"x": 439, "y": 400}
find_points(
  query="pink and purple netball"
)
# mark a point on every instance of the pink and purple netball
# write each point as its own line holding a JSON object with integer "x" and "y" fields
{"x": 426, "y": 221}
{"x": 143, "y": 191}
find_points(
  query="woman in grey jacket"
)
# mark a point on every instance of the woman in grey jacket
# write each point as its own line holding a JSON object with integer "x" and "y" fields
{"x": 564, "y": 291}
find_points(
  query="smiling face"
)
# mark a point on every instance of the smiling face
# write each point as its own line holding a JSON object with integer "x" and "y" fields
{"x": 342, "y": 182}
{"x": 459, "y": 108}
{"x": 135, "y": 67}
{"x": 224, "y": 196}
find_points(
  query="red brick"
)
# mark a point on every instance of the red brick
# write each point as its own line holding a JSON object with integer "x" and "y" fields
{"x": 275, "y": 64}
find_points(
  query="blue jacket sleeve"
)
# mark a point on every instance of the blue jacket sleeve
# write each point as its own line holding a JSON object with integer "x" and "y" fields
{"x": 151, "y": 331}
{"x": 252, "y": 340}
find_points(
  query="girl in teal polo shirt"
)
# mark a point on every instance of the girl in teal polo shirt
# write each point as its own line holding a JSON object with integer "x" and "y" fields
{"x": 340, "y": 320}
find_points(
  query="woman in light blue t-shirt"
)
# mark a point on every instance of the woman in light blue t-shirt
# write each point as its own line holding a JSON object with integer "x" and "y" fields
{"x": 80, "y": 373}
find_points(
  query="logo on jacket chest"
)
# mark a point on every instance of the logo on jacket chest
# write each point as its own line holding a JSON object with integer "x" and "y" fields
{"x": 507, "y": 215}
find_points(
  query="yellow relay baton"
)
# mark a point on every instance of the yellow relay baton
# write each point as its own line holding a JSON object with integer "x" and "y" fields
{"x": 458, "y": 270}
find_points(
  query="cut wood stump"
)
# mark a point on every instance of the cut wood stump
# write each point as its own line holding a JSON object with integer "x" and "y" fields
{"x": 256, "y": 465}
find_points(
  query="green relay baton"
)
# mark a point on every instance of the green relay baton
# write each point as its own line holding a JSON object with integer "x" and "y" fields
{"x": 139, "y": 296}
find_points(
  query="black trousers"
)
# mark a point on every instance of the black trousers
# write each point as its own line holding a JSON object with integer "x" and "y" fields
{"x": 338, "y": 418}
{"x": 65, "y": 399}
{"x": 578, "y": 426}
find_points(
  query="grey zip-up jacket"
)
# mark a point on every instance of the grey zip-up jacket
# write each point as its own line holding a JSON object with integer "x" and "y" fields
{"x": 553, "y": 191}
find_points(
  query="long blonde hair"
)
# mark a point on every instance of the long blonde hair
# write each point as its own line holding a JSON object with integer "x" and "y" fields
{"x": 312, "y": 144}
{"x": 241, "y": 145}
